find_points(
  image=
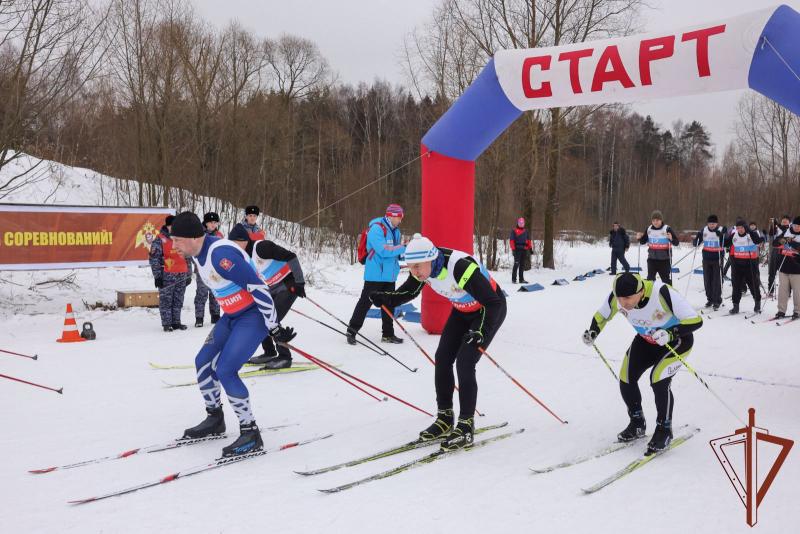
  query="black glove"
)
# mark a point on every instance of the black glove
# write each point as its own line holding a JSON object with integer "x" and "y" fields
{"x": 282, "y": 335}
{"x": 378, "y": 299}
{"x": 189, "y": 280}
{"x": 299, "y": 290}
{"x": 473, "y": 337}
{"x": 159, "y": 282}
{"x": 589, "y": 336}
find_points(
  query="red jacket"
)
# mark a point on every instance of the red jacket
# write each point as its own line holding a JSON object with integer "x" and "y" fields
{"x": 519, "y": 239}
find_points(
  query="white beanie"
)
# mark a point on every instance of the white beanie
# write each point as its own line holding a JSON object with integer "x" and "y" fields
{"x": 420, "y": 249}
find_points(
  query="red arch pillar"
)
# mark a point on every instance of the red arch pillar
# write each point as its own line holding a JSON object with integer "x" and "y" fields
{"x": 448, "y": 214}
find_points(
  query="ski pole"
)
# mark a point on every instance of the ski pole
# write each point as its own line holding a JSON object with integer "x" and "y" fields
{"x": 345, "y": 373}
{"x": 639, "y": 257}
{"x": 34, "y": 357}
{"x": 777, "y": 275}
{"x": 403, "y": 328}
{"x": 59, "y": 390}
{"x": 691, "y": 270}
{"x": 406, "y": 332}
{"x": 516, "y": 382}
{"x": 330, "y": 369}
{"x": 326, "y": 325}
{"x": 683, "y": 257}
{"x": 382, "y": 351}
{"x": 605, "y": 361}
{"x": 698, "y": 377}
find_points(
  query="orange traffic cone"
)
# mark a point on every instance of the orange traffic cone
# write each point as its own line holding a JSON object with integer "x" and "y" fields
{"x": 70, "y": 333}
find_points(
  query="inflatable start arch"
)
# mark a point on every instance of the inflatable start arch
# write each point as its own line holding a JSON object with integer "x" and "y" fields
{"x": 759, "y": 50}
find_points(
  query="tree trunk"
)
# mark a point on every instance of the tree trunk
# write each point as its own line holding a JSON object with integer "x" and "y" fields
{"x": 548, "y": 259}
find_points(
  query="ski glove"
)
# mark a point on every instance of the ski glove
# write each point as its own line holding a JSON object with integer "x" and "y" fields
{"x": 299, "y": 289}
{"x": 473, "y": 337}
{"x": 188, "y": 281}
{"x": 589, "y": 336}
{"x": 282, "y": 335}
{"x": 661, "y": 336}
{"x": 159, "y": 282}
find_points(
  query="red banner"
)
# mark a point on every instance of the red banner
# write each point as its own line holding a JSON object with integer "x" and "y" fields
{"x": 66, "y": 237}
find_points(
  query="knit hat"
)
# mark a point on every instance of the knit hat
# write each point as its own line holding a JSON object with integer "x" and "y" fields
{"x": 627, "y": 284}
{"x": 740, "y": 222}
{"x": 394, "y": 210}
{"x": 210, "y": 217}
{"x": 796, "y": 220}
{"x": 420, "y": 249}
{"x": 168, "y": 219}
{"x": 252, "y": 210}
{"x": 238, "y": 233}
{"x": 187, "y": 224}
{"x": 521, "y": 222}
{"x": 657, "y": 215}
{"x": 713, "y": 219}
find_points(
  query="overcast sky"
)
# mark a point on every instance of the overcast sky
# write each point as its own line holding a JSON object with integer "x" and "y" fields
{"x": 362, "y": 40}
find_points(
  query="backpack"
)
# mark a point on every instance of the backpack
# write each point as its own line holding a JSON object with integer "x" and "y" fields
{"x": 363, "y": 253}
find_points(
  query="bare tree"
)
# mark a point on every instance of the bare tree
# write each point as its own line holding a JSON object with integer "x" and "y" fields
{"x": 49, "y": 50}
{"x": 297, "y": 66}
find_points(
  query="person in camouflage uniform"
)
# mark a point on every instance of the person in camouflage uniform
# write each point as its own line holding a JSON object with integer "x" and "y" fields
{"x": 211, "y": 225}
{"x": 172, "y": 273}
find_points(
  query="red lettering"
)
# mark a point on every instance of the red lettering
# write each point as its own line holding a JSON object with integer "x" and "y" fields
{"x": 574, "y": 59}
{"x": 543, "y": 90}
{"x": 617, "y": 73}
{"x": 651, "y": 50}
{"x": 703, "y": 68}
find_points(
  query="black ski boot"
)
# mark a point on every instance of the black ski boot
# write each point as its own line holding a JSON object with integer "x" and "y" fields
{"x": 249, "y": 440}
{"x": 708, "y": 304}
{"x": 635, "y": 429}
{"x": 780, "y": 315}
{"x": 279, "y": 362}
{"x": 661, "y": 439}
{"x": 734, "y": 310}
{"x": 213, "y": 424}
{"x": 462, "y": 436}
{"x": 391, "y": 339}
{"x": 168, "y": 328}
{"x": 440, "y": 428}
{"x": 351, "y": 337}
{"x": 757, "y": 308}
{"x": 214, "y": 319}
{"x": 264, "y": 358}
{"x": 179, "y": 326}
{"x": 198, "y": 322}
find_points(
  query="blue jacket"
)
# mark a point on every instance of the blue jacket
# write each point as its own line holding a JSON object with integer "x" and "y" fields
{"x": 383, "y": 252}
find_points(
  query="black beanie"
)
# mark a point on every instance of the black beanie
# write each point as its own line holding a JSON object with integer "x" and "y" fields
{"x": 238, "y": 233}
{"x": 210, "y": 217}
{"x": 628, "y": 284}
{"x": 187, "y": 224}
{"x": 168, "y": 220}
{"x": 796, "y": 220}
{"x": 741, "y": 223}
{"x": 252, "y": 210}
{"x": 713, "y": 219}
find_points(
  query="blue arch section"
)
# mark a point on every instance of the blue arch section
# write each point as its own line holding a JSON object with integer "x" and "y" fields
{"x": 769, "y": 75}
{"x": 475, "y": 120}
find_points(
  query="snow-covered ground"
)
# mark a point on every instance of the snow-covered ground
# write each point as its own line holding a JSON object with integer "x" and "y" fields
{"x": 113, "y": 401}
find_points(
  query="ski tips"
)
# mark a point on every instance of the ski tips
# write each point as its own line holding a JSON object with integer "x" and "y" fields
{"x": 42, "y": 471}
